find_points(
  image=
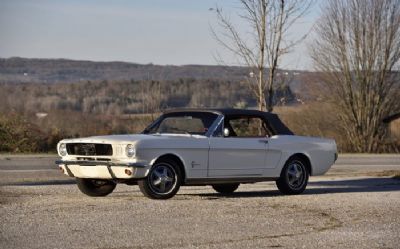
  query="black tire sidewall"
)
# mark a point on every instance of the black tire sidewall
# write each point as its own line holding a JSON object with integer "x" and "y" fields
{"x": 87, "y": 187}
{"x": 226, "y": 188}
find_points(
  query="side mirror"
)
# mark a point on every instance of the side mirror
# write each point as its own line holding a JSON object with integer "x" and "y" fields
{"x": 226, "y": 132}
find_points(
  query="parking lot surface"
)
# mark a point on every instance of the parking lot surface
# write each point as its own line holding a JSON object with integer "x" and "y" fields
{"x": 356, "y": 205}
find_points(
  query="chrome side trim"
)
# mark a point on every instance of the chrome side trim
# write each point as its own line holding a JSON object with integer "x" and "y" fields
{"x": 96, "y": 163}
{"x": 207, "y": 181}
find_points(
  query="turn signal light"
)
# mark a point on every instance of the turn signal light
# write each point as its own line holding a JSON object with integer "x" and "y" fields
{"x": 128, "y": 172}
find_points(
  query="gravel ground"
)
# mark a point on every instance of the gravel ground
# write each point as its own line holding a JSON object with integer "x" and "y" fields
{"x": 353, "y": 210}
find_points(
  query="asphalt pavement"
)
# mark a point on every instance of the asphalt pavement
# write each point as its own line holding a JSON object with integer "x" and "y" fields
{"x": 355, "y": 205}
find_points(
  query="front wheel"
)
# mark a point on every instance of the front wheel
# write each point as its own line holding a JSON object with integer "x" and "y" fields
{"x": 162, "y": 182}
{"x": 95, "y": 187}
{"x": 294, "y": 177}
{"x": 225, "y": 188}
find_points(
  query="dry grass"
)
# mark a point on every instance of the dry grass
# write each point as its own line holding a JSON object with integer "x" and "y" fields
{"x": 311, "y": 119}
{"x": 314, "y": 119}
{"x": 319, "y": 119}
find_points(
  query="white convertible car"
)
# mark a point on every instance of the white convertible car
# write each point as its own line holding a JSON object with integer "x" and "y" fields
{"x": 218, "y": 147}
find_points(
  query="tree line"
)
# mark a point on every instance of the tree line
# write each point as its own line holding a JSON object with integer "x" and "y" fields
{"x": 129, "y": 97}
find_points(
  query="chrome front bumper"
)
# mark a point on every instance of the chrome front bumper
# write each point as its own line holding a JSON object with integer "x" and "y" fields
{"x": 102, "y": 169}
{"x": 104, "y": 163}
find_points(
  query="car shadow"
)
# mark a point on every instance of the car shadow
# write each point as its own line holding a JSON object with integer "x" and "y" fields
{"x": 322, "y": 187}
{"x": 361, "y": 185}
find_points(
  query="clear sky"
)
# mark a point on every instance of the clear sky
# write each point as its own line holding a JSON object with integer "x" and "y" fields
{"x": 143, "y": 31}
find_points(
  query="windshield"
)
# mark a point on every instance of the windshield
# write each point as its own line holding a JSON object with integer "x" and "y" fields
{"x": 194, "y": 123}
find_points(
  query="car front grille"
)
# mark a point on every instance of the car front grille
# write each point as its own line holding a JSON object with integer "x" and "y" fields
{"x": 93, "y": 159}
{"x": 89, "y": 149}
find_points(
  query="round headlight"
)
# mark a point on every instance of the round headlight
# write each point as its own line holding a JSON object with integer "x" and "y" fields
{"x": 130, "y": 150}
{"x": 62, "y": 150}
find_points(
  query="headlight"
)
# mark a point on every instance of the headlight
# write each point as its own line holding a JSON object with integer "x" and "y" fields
{"x": 130, "y": 150}
{"x": 62, "y": 150}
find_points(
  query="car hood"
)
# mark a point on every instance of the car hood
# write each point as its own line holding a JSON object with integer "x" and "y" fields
{"x": 129, "y": 138}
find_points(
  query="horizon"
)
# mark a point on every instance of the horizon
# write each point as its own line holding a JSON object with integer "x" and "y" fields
{"x": 144, "y": 64}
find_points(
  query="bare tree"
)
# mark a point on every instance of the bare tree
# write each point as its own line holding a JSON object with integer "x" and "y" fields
{"x": 262, "y": 48}
{"x": 151, "y": 97}
{"x": 358, "y": 50}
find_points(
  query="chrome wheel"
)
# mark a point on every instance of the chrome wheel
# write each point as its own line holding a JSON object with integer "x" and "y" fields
{"x": 162, "y": 178}
{"x": 296, "y": 174}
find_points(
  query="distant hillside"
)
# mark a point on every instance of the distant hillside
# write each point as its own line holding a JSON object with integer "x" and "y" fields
{"x": 23, "y": 70}
{"x": 62, "y": 70}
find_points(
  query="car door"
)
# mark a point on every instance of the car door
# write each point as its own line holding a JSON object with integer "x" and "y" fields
{"x": 242, "y": 152}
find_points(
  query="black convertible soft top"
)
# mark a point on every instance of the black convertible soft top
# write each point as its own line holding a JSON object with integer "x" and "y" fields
{"x": 272, "y": 119}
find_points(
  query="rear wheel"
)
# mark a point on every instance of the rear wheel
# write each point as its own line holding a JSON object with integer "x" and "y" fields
{"x": 95, "y": 187}
{"x": 226, "y": 188}
{"x": 294, "y": 177}
{"x": 162, "y": 182}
